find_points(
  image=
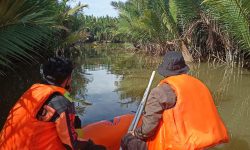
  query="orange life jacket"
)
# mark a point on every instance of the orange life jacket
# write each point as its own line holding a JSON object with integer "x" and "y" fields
{"x": 23, "y": 131}
{"x": 194, "y": 123}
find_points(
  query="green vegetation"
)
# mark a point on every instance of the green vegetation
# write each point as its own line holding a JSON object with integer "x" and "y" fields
{"x": 134, "y": 68}
{"x": 100, "y": 29}
{"x": 213, "y": 30}
{"x": 204, "y": 30}
{"x": 19, "y": 21}
{"x": 32, "y": 28}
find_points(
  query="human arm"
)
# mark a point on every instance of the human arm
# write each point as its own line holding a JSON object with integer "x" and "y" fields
{"x": 61, "y": 111}
{"x": 160, "y": 98}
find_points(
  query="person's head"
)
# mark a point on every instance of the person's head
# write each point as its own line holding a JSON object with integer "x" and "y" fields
{"x": 173, "y": 64}
{"x": 57, "y": 71}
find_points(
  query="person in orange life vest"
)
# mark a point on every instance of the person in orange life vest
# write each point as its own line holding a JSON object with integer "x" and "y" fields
{"x": 179, "y": 113}
{"x": 47, "y": 114}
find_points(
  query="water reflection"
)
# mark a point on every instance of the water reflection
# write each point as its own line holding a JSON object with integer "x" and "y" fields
{"x": 235, "y": 144}
{"x": 118, "y": 80}
{"x": 105, "y": 100}
{"x": 230, "y": 88}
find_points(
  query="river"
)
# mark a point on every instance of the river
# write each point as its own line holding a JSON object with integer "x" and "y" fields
{"x": 109, "y": 82}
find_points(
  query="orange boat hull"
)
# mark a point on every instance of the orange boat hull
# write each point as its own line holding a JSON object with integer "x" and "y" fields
{"x": 107, "y": 133}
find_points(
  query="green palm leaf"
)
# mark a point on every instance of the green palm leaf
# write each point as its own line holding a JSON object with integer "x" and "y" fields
{"x": 79, "y": 35}
{"x": 187, "y": 10}
{"x": 24, "y": 24}
{"x": 37, "y": 12}
{"x": 234, "y": 14}
{"x": 76, "y": 9}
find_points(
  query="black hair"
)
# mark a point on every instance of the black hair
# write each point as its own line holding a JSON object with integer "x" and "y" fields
{"x": 56, "y": 70}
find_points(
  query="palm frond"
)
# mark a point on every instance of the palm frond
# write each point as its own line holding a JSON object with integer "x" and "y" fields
{"x": 173, "y": 10}
{"x": 187, "y": 11}
{"x": 234, "y": 15}
{"x": 80, "y": 35}
{"x": 76, "y": 9}
{"x": 23, "y": 11}
{"x": 23, "y": 26}
{"x": 16, "y": 40}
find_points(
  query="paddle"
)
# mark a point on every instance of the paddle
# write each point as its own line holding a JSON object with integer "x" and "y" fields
{"x": 141, "y": 106}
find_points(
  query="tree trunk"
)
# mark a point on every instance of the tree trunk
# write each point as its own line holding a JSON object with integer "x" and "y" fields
{"x": 185, "y": 52}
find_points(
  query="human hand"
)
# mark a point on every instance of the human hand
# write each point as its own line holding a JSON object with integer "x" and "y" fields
{"x": 131, "y": 132}
{"x": 126, "y": 139}
{"x": 130, "y": 142}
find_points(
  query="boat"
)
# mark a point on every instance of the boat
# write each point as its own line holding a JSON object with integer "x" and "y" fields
{"x": 107, "y": 132}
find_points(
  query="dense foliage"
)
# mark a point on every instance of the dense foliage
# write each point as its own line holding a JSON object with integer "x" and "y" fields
{"x": 29, "y": 28}
{"x": 215, "y": 30}
{"x": 100, "y": 29}
{"x": 210, "y": 29}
